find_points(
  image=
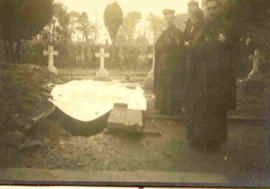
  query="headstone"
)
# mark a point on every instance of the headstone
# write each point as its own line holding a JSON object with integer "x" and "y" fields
{"x": 50, "y": 53}
{"x": 149, "y": 80}
{"x": 102, "y": 73}
{"x": 255, "y": 73}
{"x": 255, "y": 79}
{"x": 251, "y": 91}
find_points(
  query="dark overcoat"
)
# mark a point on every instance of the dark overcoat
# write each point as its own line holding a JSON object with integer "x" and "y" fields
{"x": 210, "y": 88}
{"x": 169, "y": 71}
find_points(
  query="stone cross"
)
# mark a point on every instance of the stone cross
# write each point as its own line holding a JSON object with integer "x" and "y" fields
{"x": 256, "y": 62}
{"x": 50, "y": 53}
{"x": 102, "y": 55}
{"x": 102, "y": 72}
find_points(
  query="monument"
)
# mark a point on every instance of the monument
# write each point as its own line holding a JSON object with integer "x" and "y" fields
{"x": 50, "y": 53}
{"x": 102, "y": 74}
{"x": 255, "y": 74}
{"x": 251, "y": 91}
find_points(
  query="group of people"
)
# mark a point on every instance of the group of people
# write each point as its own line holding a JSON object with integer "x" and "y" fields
{"x": 194, "y": 75}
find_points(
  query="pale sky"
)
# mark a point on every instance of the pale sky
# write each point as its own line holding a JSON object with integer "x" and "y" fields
{"x": 95, "y": 8}
{"x": 144, "y": 6}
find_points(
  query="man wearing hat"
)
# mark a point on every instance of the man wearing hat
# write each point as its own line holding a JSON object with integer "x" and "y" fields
{"x": 169, "y": 67}
{"x": 208, "y": 111}
{"x": 192, "y": 6}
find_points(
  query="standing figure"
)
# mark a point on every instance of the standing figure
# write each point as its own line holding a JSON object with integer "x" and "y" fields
{"x": 192, "y": 6}
{"x": 169, "y": 68}
{"x": 210, "y": 89}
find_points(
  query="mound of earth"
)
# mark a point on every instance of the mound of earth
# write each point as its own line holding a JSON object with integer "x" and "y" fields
{"x": 25, "y": 89}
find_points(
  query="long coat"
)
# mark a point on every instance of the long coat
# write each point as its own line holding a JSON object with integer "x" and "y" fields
{"x": 210, "y": 74}
{"x": 210, "y": 88}
{"x": 169, "y": 71}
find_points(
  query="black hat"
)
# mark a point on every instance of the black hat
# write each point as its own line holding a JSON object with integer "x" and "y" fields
{"x": 168, "y": 12}
{"x": 208, "y": 1}
{"x": 193, "y": 3}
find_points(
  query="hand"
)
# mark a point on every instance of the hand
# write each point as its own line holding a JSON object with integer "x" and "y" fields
{"x": 184, "y": 110}
{"x": 187, "y": 43}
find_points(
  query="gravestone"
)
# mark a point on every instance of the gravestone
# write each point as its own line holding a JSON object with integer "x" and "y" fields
{"x": 102, "y": 74}
{"x": 251, "y": 101}
{"x": 50, "y": 53}
{"x": 149, "y": 80}
{"x": 255, "y": 79}
{"x": 255, "y": 74}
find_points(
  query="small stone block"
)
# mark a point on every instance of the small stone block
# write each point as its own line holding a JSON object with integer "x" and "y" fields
{"x": 102, "y": 78}
{"x": 117, "y": 118}
{"x": 134, "y": 118}
{"x": 120, "y": 105}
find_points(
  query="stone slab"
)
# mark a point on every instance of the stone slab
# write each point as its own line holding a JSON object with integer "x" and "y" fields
{"x": 117, "y": 118}
{"x": 122, "y": 117}
{"x": 102, "y": 78}
{"x": 134, "y": 118}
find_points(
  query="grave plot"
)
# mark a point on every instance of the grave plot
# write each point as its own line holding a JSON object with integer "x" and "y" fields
{"x": 86, "y": 105}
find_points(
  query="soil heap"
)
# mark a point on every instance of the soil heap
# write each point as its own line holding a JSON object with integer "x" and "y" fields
{"x": 25, "y": 90}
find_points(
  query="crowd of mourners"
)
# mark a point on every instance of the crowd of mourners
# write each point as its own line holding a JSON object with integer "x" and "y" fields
{"x": 194, "y": 75}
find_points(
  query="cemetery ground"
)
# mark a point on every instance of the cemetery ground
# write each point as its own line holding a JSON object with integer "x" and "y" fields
{"x": 160, "y": 154}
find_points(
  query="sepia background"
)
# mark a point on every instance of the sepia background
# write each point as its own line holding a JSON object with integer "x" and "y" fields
{"x": 39, "y": 141}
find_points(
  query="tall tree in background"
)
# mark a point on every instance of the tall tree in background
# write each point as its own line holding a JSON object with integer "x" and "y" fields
{"x": 87, "y": 31}
{"x": 243, "y": 17}
{"x": 126, "y": 39}
{"x": 21, "y": 20}
{"x": 246, "y": 20}
{"x": 156, "y": 25}
{"x": 85, "y": 26}
{"x": 129, "y": 24}
{"x": 113, "y": 18}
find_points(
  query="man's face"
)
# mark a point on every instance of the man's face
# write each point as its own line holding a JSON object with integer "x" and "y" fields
{"x": 192, "y": 8}
{"x": 211, "y": 8}
{"x": 169, "y": 20}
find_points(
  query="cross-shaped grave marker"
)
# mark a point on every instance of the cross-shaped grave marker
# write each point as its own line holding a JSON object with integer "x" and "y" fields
{"x": 50, "y": 53}
{"x": 102, "y": 73}
{"x": 256, "y": 62}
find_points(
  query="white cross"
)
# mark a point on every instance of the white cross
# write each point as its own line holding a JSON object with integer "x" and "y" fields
{"x": 256, "y": 61}
{"x": 51, "y": 52}
{"x": 102, "y": 55}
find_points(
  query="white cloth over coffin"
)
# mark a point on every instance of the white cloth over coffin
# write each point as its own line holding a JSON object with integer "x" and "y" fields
{"x": 87, "y": 100}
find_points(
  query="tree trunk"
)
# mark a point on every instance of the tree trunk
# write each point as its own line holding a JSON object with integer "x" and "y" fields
{"x": 18, "y": 52}
{"x": 113, "y": 58}
{"x": 11, "y": 52}
{"x": 7, "y": 51}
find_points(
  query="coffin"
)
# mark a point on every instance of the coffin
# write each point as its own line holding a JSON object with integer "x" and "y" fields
{"x": 83, "y": 106}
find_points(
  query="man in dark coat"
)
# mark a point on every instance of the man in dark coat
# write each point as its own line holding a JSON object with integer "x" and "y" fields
{"x": 169, "y": 68}
{"x": 210, "y": 90}
{"x": 187, "y": 33}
